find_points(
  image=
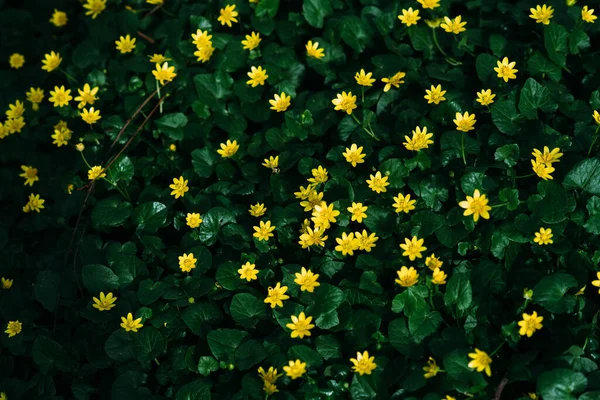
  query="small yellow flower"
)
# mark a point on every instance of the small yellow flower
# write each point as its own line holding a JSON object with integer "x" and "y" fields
{"x": 588, "y": 15}
{"x": 280, "y": 103}
{"x": 15, "y": 110}
{"x": 277, "y": 295}
{"x": 541, "y": 14}
{"x": 228, "y": 15}
{"x": 363, "y": 364}
{"x": 453, "y": 26}
{"x": 314, "y": 199}
{"x": 258, "y": 76}
{"x": 96, "y": 172}
{"x": 61, "y": 137}
{"x": 542, "y": 170}
{"x": 354, "y": 155}
{"x": 91, "y": 115}
{"x": 193, "y": 220}
{"x": 172, "y": 147}
{"x": 229, "y": 148}
{"x": 409, "y": 17}
{"x": 313, "y": 50}
{"x": 16, "y": 60}
{"x": 59, "y": 18}
{"x": 14, "y": 125}
{"x": 155, "y": 2}
{"x": 158, "y": 58}
{"x": 346, "y": 244}
{"x": 271, "y": 163}
{"x": 485, "y": 97}
{"x": 506, "y": 69}
{"x": 300, "y": 326}
{"x": 429, "y": 3}
{"x": 407, "y": 277}
{"x": 248, "y": 272}
{"x": 404, "y": 203}
{"x": 257, "y": 210}
{"x": 204, "y": 53}
{"x": 547, "y": 157}
{"x": 377, "y": 183}
{"x": 394, "y": 81}
{"x": 439, "y": 277}
{"x": 94, "y": 7}
{"x": 304, "y": 192}
{"x": 433, "y": 263}
{"x": 269, "y": 388}
{"x": 530, "y": 323}
{"x": 597, "y": 282}
{"x": 323, "y": 215}
{"x": 481, "y": 361}
{"x": 125, "y": 44}
{"x": 130, "y": 324}
{"x": 70, "y": 188}
{"x": 532, "y": 396}
{"x": 307, "y": 280}
{"x": 202, "y": 38}
{"x": 476, "y": 206}
{"x": 448, "y": 397}
{"x": 431, "y": 369}
{"x": 420, "y": 139}
{"x": 313, "y": 237}
{"x": 464, "y": 122}
{"x": 187, "y": 262}
{"x": 179, "y": 186}
{"x": 270, "y": 375}
{"x": 164, "y": 73}
{"x": 544, "y": 236}
{"x": 365, "y": 241}
{"x": 30, "y": 174}
{"x": 51, "y": 61}
{"x": 35, "y": 95}
{"x": 435, "y": 94}
{"x": 252, "y": 41}
{"x": 13, "y": 328}
{"x": 358, "y": 212}
{"x": 7, "y": 283}
{"x": 295, "y": 369}
{"x": 413, "y": 248}
{"x": 345, "y": 102}
{"x": 264, "y": 231}
{"x": 581, "y": 291}
{"x": 364, "y": 79}
{"x": 596, "y": 116}
{"x": 60, "y": 97}
{"x": 105, "y": 302}
{"x": 319, "y": 175}
{"x": 79, "y": 147}
{"x": 86, "y": 96}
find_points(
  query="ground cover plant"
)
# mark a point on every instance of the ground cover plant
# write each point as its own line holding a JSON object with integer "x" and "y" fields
{"x": 316, "y": 199}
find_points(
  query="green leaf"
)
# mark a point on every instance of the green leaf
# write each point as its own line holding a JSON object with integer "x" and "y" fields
{"x": 122, "y": 170}
{"x": 360, "y": 389}
{"x": 368, "y": 282}
{"x": 552, "y": 208}
{"x": 422, "y": 325}
{"x": 119, "y": 346}
{"x": 458, "y": 290}
{"x": 551, "y": 293}
{"x": 509, "y": 154}
{"x": 540, "y": 66}
{"x": 224, "y": 342}
{"x": 510, "y": 197}
{"x": 355, "y": 33}
{"x": 395, "y": 170}
{"x": 199, "y": 315}
{"x": 421, "y": 40}
{"x": 149, "y": 344}
{"x": 150, "y": 291}
{"x": 560, "y": 384}
{"x": 400, "y": 337}
{"x": 47, "y": 284}
{"x": 533, "y": 97}
{"x": 206, "y": 365}
{"x": 50, "y": 355}
{"x": 212, "y": 89}
{"x": 315, "y": 11}
{"x": 328, "y": 347}
{"x": 203, "y": 161}
{"x": 578, "y": 41}
{"x": 172, "y": 125}
{"x": 228, "y": 277}
{"x": 585, "y": 175}
{"x": 267, "y": 8}
{"x": 195, "y": 390}
{"x": 327, "y": 298}
{"x": 111, "y": 212}
{"x": 249, "y": 354}
{"x": 98, "y": 278}
{"x": 149, "y": 217}
{"x": 306, "y": 354}
{"x": 555, "y": 40}
{"x": 247, "y": 310}
{"x": 504, "y": 115}
{"x": 485, "y": 64}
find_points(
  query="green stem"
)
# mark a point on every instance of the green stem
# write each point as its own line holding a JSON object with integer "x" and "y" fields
{"x": 499, "y": 205}
{"x": 166, "y": 12}
{"x": 462, "y": 148}
{"x": 449, "y": 59}
{"x": 84, "y": 160}
{"x": 525, "y": 176}
{"x": 158, "y": 94}
{"x": 156, "y": 361}
{"x": 593, "y": 142}
{"x": 114, "y": 184}
{"x": 497, "y": 349}
{"x": 363, "y": 95}
{"x": 363, "y": 128}
{"x": 68, "y": 76}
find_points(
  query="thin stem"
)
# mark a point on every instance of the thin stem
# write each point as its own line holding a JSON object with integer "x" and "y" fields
{"x": 436, "y": 43}
{"x": 499, "y": 205}
{"x": 363, "y": 128}
{"x": 497, "y": 349}
{"x": 593, "y": 142}
{"x": 525, "y": 176}
{"x": 158, "y": 93}
{"x": 84, "y": 160}
{"x": 363, "y": 95}
{"x": 68, "y": 76}
{"x": 462, "y": 148}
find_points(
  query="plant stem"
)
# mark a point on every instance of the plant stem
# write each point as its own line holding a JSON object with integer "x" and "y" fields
{"x": 84, "y": 160}
{"x": 525, "y": 176}
{"x": 450, "y": 60}
{"x": 68, "y": 76}
{"x": 497, "y": 349}
{"x": 370, "y": 132}
{"x": 158, "y": 93}
{"x": 462, "y": 148}
{"x": 499, "y": 205}
{"x": 363, "y": 95}
{"x": 593, "y": 142}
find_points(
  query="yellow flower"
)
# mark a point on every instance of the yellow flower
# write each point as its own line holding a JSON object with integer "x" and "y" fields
{"x": 533, "y": 396}
{"x": 547, "y": 157}
{"x": 187, "y": 262}
{"x": 35, "y": 95}
{"x": 258, "y": 76}
{"x": 581, "y": 291}
{"x": 312, "y": 50}
{"x": 464, "y": 122}
{"x": 364, "y": 79}
{"x": 453, "y": 26}
{"x": 527, "y": 294}
{"x": 300, "y": 326}
{"x": 202, "y": 38}
{"x": 407, "y": 277}
{"x": 125, "y": 44}
{"x": 431, "y": 369}
{"x": 96, "y": 172}
{"x": 413, "y": 248}
{"x": 193, "y": 220}
{"x": 409, "y": 17}
{"x": 30, "y": 175}
{"x": 228, "y": 149}
{"x": 51, "y": 61}
{"x": 14, "y": 125}
{"x": 61, "y": 137}
{"x": 435, "y": 94}
{"x": 59, "y": 18}
{"x": 544, "y": 236}
{"x": 157, "y": 2}
{"x": 179, "y": 186}
{"x": 105, "y": 302}
{"x": 91, "y": 116}
{"x": 264, "y": 231}
{"x": 476, "y": 206}
{"x": 485, "y": 97}
{"x": 270, "y": 376}
{"x": 588, "y": 15}
{"x": 130, "y": 324}
{"x": 13, "y": 328}
{"x": 228, "y": 15}
{"x": 304, "y": 192}
{"x": 204, "y": 53}
{"x": 257, "y": 210}
{"x": 248, "y": 272}
{"x": 277, "y": 295}
{"x": 354, "y": 155}
{"x": 429, "y": 3}
{"x": 530, "y": 323}
{"x": 434, "y": 23}
{"x": 323, "y": 215}
{"x": 172, "y": 147}
{"x": 439, "y": 277}
{"x": 319, "y": 175}
{"x": 252, "y": 41}
{"x": 420, "y": 140}
{"x": 377, "y": 183}
{"x": 481, "y": 361}
{"x": 295, "y": 369}
{"x": 365, "y": 241}
{"x": 358, "y": 212}
{"x": 395, "y": 81}
{"x": 596, "y": 116}
{"x": 158, "y": 58}
{"x": 70, "y": 188}
{"x": 307, "y": 280}
{"x": 86, "y": 96}
{"x": 345, "y": 102}
{"x": 271, "y": 163}
{"x": 363, "y": 364}
{"x": 346, "y": 244}
{"x": 15, "y": 110}
{"x": 164, "y": 73}
{"x": 94, "y": 7}
{"x": 404, "y": 203}
{"x": 542, "y": 170}
{"x": 541, "y": 14}
{"x": 313, "y": 237}
{"x": 448, "y": 397}
{"x": 60, "y": 97}
{"x": 16, "y": 60}
{"x": 280, "y": 103}
{"x": 597, "y": 282}
{"x": 270, "y": 388}
{"x": 506, "y": 69}
{"x": 6, "y": 283}
{"x": 433, "y": 263}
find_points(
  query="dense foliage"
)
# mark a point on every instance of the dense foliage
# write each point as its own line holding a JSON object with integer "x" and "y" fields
{"x": 163, "y": 225}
